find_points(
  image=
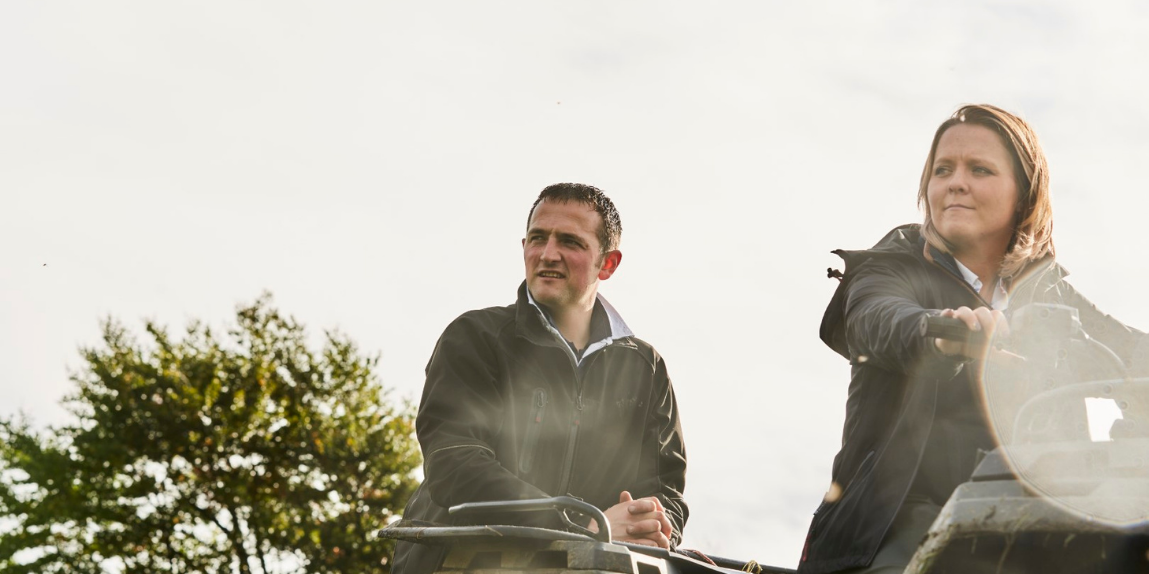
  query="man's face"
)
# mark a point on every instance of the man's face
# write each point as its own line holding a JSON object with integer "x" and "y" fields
{"x": 563, "y": 257}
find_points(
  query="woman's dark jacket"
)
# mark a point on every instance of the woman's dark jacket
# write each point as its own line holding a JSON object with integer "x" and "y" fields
{"x": 902, "y": 388}
{"x": 508, "y": 414}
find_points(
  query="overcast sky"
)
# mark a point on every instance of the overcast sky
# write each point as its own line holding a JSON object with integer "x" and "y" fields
{"x": 372, "y": 164}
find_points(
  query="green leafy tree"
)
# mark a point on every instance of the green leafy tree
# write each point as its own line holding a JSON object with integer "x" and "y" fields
{"x": 246, "y": 453}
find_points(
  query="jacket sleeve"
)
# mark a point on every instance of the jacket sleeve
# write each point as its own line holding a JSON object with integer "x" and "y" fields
{"x": 459, "y": 419}
{"x": 663, "y": 474}
{"x": 883, "y": 319}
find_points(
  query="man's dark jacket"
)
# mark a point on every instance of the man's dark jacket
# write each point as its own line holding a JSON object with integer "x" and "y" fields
{"x": 508, "y": 414}
{"x": 901, "y": 384}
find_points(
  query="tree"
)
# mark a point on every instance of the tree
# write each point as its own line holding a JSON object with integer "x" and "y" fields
{"x": 247, "y": 453}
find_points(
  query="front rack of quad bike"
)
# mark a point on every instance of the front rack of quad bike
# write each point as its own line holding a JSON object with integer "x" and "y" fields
{"x": 483, "y": 548}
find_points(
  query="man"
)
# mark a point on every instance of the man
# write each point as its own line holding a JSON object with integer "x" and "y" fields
{"x": 552, "y": 395}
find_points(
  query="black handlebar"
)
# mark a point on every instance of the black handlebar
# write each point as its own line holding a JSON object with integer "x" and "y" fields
{"x": 950, "y": 329}
{"x": 559, "y": 503}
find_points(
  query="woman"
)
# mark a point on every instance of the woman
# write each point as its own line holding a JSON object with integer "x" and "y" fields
{"x": 913, "y": 422}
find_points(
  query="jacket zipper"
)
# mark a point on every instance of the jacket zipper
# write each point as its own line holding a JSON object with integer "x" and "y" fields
{"x": 576, "y": 421}
{"x": 576, "y": 417}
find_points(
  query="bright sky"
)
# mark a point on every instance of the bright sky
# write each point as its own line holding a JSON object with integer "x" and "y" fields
{"x": 372, "y": 165}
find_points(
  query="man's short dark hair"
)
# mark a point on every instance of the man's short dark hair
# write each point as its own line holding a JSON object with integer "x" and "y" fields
{"x": 609, "y": 232}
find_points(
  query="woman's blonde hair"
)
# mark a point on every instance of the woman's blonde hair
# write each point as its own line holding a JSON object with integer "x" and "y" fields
{"x": 1033, "y": 227}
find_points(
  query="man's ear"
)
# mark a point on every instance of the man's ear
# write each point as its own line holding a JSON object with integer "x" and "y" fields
{"x": 524, "y": 242}
{"x": 610, "y": 261}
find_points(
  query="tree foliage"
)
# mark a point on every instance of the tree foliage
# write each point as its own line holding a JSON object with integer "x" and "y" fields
{"x": 245, "y": 453}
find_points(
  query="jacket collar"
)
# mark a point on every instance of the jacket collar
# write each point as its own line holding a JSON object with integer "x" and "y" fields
{"x": 900, "y": 241}
{"x": 532, "y": 323}
{"x": 1044, "y": 270}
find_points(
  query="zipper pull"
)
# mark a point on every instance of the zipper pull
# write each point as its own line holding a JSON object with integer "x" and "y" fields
{"x": 578, "y": 402}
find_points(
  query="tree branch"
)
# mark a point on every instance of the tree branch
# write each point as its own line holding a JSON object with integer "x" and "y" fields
{"x": 237, "y": 544}
{"x": 258, "y": 540}
{"x": 237, "y": 541}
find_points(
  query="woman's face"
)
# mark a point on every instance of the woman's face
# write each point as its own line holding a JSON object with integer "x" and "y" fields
{"x": 972, "y": 193}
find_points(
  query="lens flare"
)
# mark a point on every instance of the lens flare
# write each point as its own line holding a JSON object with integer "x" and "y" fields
{"x": 1069, "y": 418}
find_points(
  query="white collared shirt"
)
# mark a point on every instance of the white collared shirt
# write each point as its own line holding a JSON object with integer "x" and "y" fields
{"x": 618, "y": 327}
{"x": 1000, "y": 297}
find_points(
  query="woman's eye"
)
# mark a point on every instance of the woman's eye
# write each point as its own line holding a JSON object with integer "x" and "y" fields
{"x": 941, "y": 170}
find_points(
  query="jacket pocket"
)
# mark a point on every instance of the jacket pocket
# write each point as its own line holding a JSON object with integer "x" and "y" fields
{"x": 534, "y": 428}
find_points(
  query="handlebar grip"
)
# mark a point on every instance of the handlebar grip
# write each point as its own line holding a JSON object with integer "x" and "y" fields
{"x": 950, "y": 329}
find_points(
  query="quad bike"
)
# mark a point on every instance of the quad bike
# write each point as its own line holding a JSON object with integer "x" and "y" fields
{"x": 1048, "y": 499}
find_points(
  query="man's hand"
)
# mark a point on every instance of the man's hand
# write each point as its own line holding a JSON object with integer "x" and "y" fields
{"x": 641, "y": 521}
